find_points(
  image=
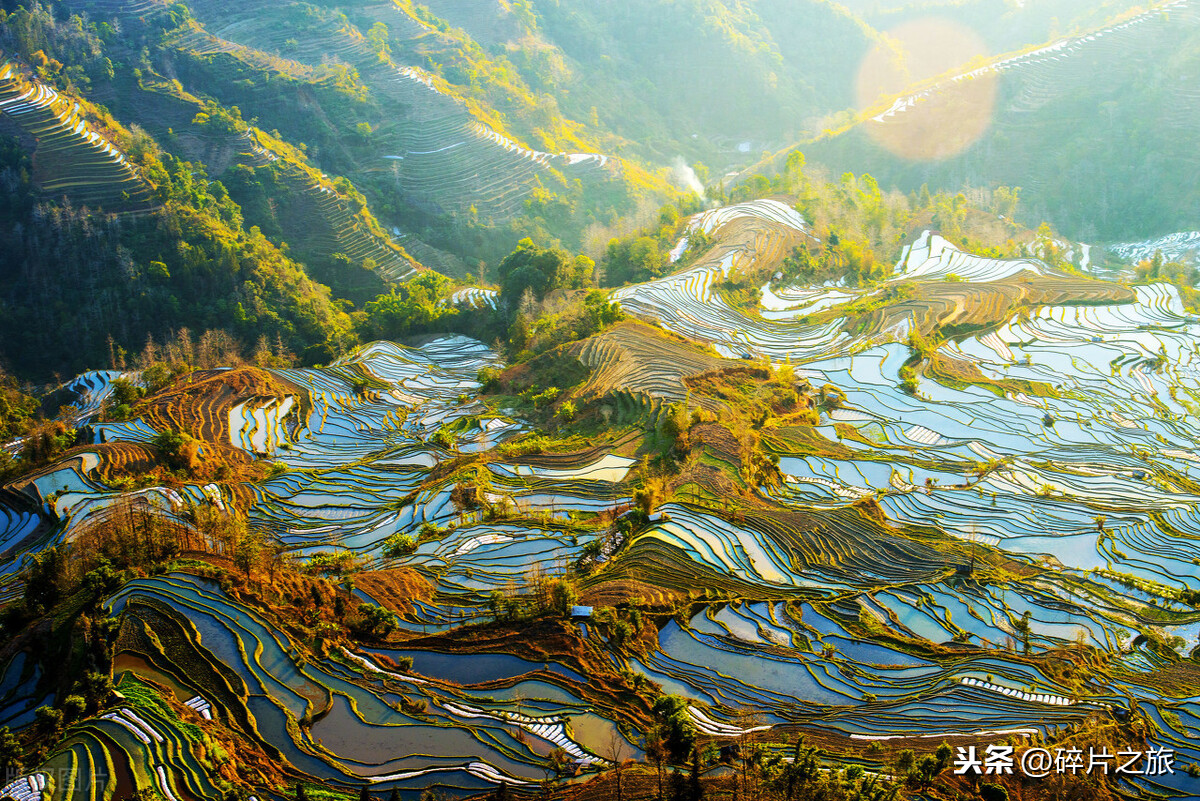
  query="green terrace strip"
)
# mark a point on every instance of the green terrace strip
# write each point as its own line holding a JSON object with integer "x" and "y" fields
{"x": 442, "y": 157}
{"x": 347, "y": 231}
{"x": 71, "y": 159}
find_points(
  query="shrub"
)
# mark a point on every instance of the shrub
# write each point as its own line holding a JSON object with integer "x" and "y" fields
{"x": 47, "y": 442}
{"x": 124, "y": 393}
{"x": 546, "y": 398}
{"x": 443, "y": 438}
{"x": 74, "y": 706}
{"x": 679, "y": 733}
{"x": 429, "y": 531}
{"x": 331, "y": 562}
{"x": 993, "y": 792}
{"x": 49, "y": 716}
{"x": 413, "y": 707}
{"x": 562, "y": 596}
{"x": 179, "y": 451}
{"x": 489, "y": 377}
{"x": 159, "y": 375}
{"x": 373, "y": 621}
{"x": 399, "y": 545}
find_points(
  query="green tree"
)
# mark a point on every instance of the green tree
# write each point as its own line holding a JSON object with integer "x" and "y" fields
{"x": 11, "y": 752}
{"x": 534, "y": 269}
{"x": 409, "y": 308}
{"x": 399, "y": 544}
{"x": 249, "y": 544}
{"x": 563, "y": 596}
{"x": 17, "y": 409}
{"x": 373, "y": 621}
{"x": 179, "y": 450}
{"x": 377, "y": 37}
{"x": 678, "y": 731}
{"x": 633, "y": 260}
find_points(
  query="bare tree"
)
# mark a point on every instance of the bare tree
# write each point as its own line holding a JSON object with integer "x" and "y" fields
{"x": 615, "y": 753}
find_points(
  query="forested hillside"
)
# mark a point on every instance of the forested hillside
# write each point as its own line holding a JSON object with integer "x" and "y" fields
{"x": 109, "y": 239}
{"x": 1096, "y": 131}
{"x": 692, "y": 78}
{"x": 268, "y": 170}
{"x": 263, "y": 170}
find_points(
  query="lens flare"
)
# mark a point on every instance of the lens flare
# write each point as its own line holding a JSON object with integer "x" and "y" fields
{"x": 934, "y": 121}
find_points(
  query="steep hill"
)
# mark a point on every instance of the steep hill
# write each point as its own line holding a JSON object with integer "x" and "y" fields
{"x": 694, "y": 79}
{"x": 71, "y": 159}
{"x": 110, "y": 242}
{"x": 361, "y": 87}
{"x": 1096, "y": 130}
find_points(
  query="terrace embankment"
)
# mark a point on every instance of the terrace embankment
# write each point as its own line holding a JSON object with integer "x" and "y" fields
{"x": 955, "y": 372}
{"x": 534, "y": 640}
{"x": 848, "y": 545}
{"x": 116, "y": 458}
{"x": 74, "y": 156}
{"x": 158, "y": 644}
{"x": 629, "y": 364}
{"x": 717, "y": 455}
{"x": 394, "y": 589}
{"x": 199, "y": 404}
{"x": 640, "y": 359}
{"x": 959, "y": 308}
{"x": 547, "y": 640}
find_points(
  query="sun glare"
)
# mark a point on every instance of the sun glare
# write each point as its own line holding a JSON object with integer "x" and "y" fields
{"x": 939, "y": 103}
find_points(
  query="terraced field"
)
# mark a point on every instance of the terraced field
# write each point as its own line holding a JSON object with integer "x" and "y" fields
{"x": 686, "y": 303}
{"x": 1038, "y": 106}
{"x": 331, "y": 224}
{"x": 465, "y": 738}
{"x": 1092, "y": 474}
{"x": 1004, "y": 547}
{"x": 637, "y": 365}
{"x": 1180, "y": 246}
{"x": 72, "y": 159}
{"x": 359, "y": 454}
{"x": 1036, "y": 67}
{"x": 442, "y": 154}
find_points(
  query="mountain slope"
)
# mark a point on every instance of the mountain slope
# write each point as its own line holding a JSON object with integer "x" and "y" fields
{"x": 1096, "y": 130}
{"x": 693, "y": 78}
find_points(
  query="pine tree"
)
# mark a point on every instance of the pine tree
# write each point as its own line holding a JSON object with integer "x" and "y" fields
{"x": 695, "y": 788}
